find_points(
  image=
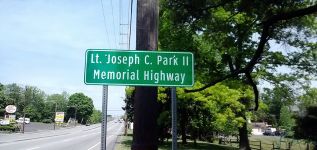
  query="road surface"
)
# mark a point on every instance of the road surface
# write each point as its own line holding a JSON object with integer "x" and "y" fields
{"x": 77, "y": 138}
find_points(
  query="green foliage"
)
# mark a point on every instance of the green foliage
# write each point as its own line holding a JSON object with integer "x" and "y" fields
{"x": 309, "y": 98}
{"x": 276, "y": 98}
{"x": 287, "y": 121}
{"x": 60, "y": 100}
{"x": 15, "y": 97}
{"x": 10, "y": 128}
{"x": 55, "y": 101}
{"x": 38, "y": 106}
{"x": 262, "y": 114}
{"x": 95, "y": 117}
{"x": 32, "y": 112}
{"x": 3, "y": 100}
{"x": 34, "y": 100}
{"x": 212, "y": 29}
{"x": 306, "y": 125}
{"x": 83, "y": 105}
{"x": 129, "y": 100}
{"x": 215, "y": 109}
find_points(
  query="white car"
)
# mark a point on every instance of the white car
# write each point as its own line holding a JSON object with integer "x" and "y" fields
{"x": 26, "y": 120}
{"x": 4, "y": 122}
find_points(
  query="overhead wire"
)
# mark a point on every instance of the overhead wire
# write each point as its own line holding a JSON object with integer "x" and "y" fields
{"x": 114, "y": 32}
{"x": 130, "y": 24}
{"x": 120, "y": 21}
{"x": 105, "y": 24}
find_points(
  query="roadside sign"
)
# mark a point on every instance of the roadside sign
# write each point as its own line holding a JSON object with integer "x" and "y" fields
{"x": 139, "y": 68}
{"x": 11, "y": 109}
{"x": 12, "y": 117}
{"x": 59, "y": 117}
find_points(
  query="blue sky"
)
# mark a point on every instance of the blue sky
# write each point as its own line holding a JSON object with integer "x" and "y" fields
{"x": 43, "y": 43}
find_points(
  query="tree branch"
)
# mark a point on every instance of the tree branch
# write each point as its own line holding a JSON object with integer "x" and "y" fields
{"x": 258, "y": 53}
{"x": 290, "y": 15}
{"x": 214, "y": 82}
{"x": 255, "y": 90}
{"x": 230, "y": 64}
{"x": 267, "y": 24}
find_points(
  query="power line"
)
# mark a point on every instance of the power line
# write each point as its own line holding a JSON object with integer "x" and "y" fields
{"x": 131, "y": 7}
{"x": 114, "y": 32}
{"x": 124, "y": 25}
{"x": 105, "y": 24}
{"x": 120, "y": 23}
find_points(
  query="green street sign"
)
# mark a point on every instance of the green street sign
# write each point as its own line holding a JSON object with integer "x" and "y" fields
{"x": 139, "y": 68}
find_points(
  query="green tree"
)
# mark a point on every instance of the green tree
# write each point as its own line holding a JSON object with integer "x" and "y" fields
{"x": 59, "y": 99}
{"x": 262, "y": 114}
{"x": 15, "y": 97}
{"x": 3, "y": 100}
{"x": 215, "y": 109}
{"x": 55, "y": 101}
{"x": 83, "y": 105}
{"x": 276, "y": 98}
{"x": 129, "y": 100}
{"x": 95, "y": 117}
{"x": 34, "y": 103}
{"x": 306, "y": 125}
{"x": 309, "y": 98}
{"x": 235, "y": 39}
{"x": 287, "y": 121}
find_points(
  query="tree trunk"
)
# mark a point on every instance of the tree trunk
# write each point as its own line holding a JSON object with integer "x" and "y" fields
{"x": 243, "y": 135}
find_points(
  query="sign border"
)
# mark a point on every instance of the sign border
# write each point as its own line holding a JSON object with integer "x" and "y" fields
{"x": 138, "y": 51}
{"x": 7, "y": 107}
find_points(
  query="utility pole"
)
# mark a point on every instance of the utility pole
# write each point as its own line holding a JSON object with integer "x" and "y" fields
{"x": 23, "y": 125}
{"x": 55, "y": 116}
{"x": 75, "y": 115}
{"x": 146, "y": 107}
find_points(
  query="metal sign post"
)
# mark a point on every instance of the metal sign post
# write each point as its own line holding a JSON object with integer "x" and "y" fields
{"x": 174, "y": 118}
{"x": 104, "y": 117}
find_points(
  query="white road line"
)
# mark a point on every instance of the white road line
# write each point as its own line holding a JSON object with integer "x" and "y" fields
{"x": 93, "y": 146}
{"x": 33, "y": 148}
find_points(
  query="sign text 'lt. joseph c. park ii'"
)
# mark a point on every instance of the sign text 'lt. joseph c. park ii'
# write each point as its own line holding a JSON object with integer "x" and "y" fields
{"x": 143, "y": 68}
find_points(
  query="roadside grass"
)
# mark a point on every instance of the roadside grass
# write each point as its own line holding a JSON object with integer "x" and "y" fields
{"x": 282, "y": 143}
{"x": 125, "y": 142}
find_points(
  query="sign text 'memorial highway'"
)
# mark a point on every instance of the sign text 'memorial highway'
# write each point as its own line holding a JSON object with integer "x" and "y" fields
{"x": 139, "y": 68}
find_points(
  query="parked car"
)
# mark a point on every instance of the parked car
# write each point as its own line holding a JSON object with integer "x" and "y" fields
{"x": 280, "y": 132}
{"x": 26, "y": 120}
{"x": 269, "y": 131}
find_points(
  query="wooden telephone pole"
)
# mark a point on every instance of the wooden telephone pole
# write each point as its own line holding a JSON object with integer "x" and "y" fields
{"x": 145, "y": 128}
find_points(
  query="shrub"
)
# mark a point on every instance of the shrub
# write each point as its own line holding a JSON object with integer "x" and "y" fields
{"x": 10, "y": 128}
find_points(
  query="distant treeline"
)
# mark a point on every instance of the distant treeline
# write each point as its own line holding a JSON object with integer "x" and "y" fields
{"x": 39, "y": 106}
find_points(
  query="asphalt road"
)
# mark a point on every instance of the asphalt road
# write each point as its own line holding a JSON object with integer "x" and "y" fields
{"x": 77, "y": 138}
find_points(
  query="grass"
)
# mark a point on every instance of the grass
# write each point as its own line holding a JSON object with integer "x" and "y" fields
{"x": 267, "y": 142}
{"x": 125, "y": 142}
